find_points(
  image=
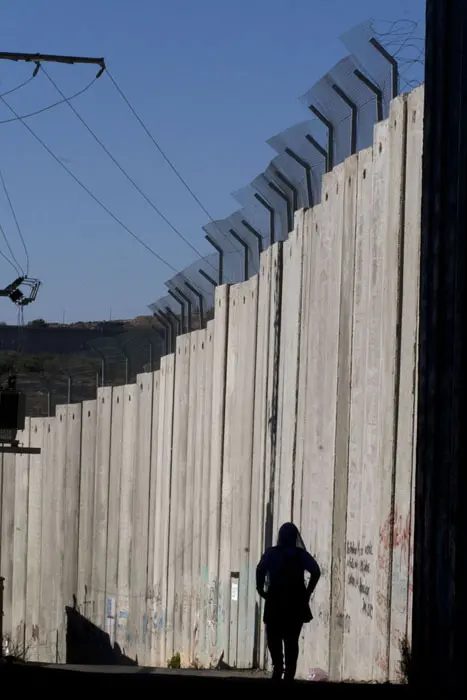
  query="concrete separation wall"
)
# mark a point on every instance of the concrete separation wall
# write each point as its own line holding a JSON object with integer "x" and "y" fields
{"x": 148, "y": 508}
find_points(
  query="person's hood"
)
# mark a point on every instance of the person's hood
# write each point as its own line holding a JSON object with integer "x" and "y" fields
{"x": 289, "y": 537}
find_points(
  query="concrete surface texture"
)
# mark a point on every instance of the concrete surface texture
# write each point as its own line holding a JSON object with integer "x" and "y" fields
{"x": 149, "y": 508}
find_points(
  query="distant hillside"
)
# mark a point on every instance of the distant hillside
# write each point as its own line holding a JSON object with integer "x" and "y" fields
{"x": 56, "y": 362}
{"x": 40, "y": 337}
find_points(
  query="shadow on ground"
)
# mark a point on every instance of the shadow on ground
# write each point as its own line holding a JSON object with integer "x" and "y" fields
{"x": 94, "y": 664}
{"x": 137, "y": 680}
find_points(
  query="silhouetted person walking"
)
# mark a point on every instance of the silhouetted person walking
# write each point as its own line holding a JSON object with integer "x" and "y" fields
{"x": 282, "y": 569}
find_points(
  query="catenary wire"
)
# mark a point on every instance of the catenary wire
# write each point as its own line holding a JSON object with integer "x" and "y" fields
{"x": 5, "y": 257}
{"x": 46, "y": 109}
{"x": 18, "y": 87}
{"x": 165, "y": 156}
{"x": 89, "y": 192}
{"x": 13, "y": 212}
{"x": 121, "y": 168}
{"x": 14, "y": 262}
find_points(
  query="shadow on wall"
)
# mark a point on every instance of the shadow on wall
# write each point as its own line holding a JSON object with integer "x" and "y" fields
{"x": 256, "y": 639}
{"x": 89, "y": 645}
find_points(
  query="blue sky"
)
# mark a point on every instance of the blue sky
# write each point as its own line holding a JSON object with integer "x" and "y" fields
{"x": 212, "y": 79}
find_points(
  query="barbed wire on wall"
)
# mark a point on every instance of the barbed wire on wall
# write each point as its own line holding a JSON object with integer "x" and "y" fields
{"x": 405, "y": 41}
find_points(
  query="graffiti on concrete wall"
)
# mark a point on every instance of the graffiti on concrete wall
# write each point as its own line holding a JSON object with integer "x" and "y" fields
{"x": 359, "y": 568}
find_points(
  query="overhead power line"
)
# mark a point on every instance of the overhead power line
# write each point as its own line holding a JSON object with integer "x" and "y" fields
{"x": 164, "y": 155}
{"x": 38, "y": 60}
{"x": 18, "y": 227}
{"x": 14, "y": 262}
{"x": 5, "y": 257}
{"x": 88, "y": 191}
{"x": 121, "y": 168}
{"x": 18, "y": 87}
{"x": 13, "y": 290}
{"x": 55, "y": 104}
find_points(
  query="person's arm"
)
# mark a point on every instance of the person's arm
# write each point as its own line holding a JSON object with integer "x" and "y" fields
{"x": 261, "y": 572}
{"x": 311, "y": 565}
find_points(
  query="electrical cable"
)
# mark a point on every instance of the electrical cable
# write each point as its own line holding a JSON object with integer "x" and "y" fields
{"x": 14, "y": 263}
{"x": 89, "y": 192}
{"x": 121, "y": 168}
{"x": 165, "y": 156}
{"x": 18, "y": 87}
{"x": 12, "y": 209}
{"x": 46, "y": 109}
{"x": 5, "y": 257}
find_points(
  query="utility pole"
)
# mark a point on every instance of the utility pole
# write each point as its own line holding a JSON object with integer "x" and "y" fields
{"x": 39, "y": 58}
{"x": 440, "y": 570}
{"x": 13, "y": 289}
{"x": 12, "y": 414}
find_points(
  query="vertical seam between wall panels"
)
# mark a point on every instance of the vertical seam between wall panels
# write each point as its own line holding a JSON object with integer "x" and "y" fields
{"x": 297, "y": 372}
{"x": 275, "y": 378}
{"x": 396, "y": 386}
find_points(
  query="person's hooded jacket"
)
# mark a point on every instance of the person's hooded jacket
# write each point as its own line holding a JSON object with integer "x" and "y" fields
{"x": 280, "y": 578}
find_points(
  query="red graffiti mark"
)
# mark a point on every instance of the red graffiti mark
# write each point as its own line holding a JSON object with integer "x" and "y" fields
{"x": 381, "y": 662}
{"x": 396, "y": 533}
{"x": 385, "y": 532}
{"x": 401, "y": 530}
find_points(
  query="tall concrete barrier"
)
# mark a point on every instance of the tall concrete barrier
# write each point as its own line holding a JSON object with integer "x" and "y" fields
{"x": 402, "y": 521}
{"x": 107, "y": 504}
{"x": 149, "y": 508}
{"x": 344, "y": 227}
{"x": 261, "y": 514}
{"x": 237, "y": 470}
{"x": 86, "y": 506}
{"x": 138, "y": 619}
{"x": 355, "y": 653}
{"x": 153, "y": 522}
{"x": 320, "y": 445}
{"x": 291, "y": 326}
{"x": 126, "y": 541}
{"x": 175, "y": 593}
{"x": 300, "y": 506}
{"x": 7, "y": 549}
{"x": 229, "y": 530}
{"x": 165, "y": 468}
{"x": 20, "y": 543}
{"x": 189, "y": 548}
{"x": 219, "y": 371}
{"x": 46, "y": 638}
{"x": 197, "y": 498}
{"x": 71, "y": 507}
{"x": 58, "y": 581}
{"x": 204, "y": 450}
{"x": 246, "y": 507}
{"x": 34, "y": 559}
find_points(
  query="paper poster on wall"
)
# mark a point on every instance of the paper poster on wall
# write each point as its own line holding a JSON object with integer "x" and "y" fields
{"x": 234, "y": 590}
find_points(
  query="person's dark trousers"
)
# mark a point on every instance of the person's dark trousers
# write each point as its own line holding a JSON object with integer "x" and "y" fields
{"x": 282, "y": 639}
